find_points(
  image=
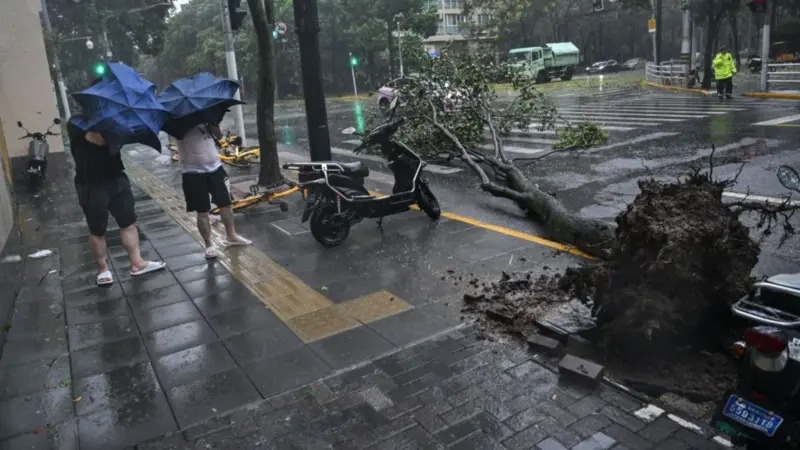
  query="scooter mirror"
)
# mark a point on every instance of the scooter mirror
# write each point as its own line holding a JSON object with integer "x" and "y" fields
{"x": 789, "y": 178}
{"x": 349, "y": 131}
{"x": 19, "y": 124}
{"x": 57, "y": 121}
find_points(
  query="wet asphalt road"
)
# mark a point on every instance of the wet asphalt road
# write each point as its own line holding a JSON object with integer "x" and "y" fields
{"x": 651, "y": 133}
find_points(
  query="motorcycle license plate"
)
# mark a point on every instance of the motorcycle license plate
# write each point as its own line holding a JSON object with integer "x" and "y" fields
{"x": 752, "y": 416}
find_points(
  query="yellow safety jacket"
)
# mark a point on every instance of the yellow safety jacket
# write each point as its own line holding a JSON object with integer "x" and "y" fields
{"x": 724, "y": 67}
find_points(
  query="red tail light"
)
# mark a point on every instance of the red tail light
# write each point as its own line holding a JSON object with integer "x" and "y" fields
{"x": 767, "y": 340}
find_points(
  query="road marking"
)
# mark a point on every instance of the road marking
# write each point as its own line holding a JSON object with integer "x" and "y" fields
{"x": 355, "y": 142}
{"x": 530, "y": 140}
{"x": 435, "y": 168}
{"x": 511, "y": 149}
{"x": 309, "y": 314}
{"x": 650, "y": 110}
{"x": 637, "y": 116}
{"x": 759, "y": 198}
{"x": 778, "y": 121}
{"x": 517, "y": 234}
{"x": 637, "y": 140}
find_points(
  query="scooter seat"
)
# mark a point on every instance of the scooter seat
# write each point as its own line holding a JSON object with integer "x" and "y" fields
{"x": 357, "y": 168}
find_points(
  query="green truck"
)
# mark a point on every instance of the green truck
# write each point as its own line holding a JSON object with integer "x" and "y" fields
{"x": 555, "y": 60}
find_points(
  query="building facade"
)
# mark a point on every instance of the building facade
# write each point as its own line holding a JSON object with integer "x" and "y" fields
{"x": 453, "y": 24}
{"x": 26, "y": 94}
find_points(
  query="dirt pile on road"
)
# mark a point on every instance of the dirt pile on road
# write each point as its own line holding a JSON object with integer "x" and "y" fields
{"x": 661, "y": 301}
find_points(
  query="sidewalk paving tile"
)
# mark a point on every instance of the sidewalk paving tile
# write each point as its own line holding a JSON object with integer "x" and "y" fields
{"x": 277, "y": 374}
{"x": 205, "y": 398}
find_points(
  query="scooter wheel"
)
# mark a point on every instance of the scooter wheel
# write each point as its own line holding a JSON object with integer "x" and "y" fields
{"x": 427, "y": 201}
{"x": 326, "y": 229}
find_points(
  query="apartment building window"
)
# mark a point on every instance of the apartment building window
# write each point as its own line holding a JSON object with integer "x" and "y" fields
{"x": 454, "y": 4}
{"x": 452, "y": 23}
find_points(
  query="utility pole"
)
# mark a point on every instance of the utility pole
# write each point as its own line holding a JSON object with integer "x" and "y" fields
{"x": 653, "y": 30}
{"x": 62, "y": 88}
{"x": 765, "y": 50}
{"x": 659, "y": 30}
{"x": 353, "y": 73}
{"x": 306, "y": 20}
{"x": 686, "y": 42}
{"x": 233, "y": 74}
{"x": 105, "y": 43}
{"x": 400, "y": 44}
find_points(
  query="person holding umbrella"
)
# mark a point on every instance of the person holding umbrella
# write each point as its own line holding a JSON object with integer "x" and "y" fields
{"x": 103, "y": 188}
{"x": 197, "y": 106}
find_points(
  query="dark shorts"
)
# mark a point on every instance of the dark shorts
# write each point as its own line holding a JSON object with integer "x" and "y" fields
{"x": 200, "y": 189}
{"x": 99, "y": 199}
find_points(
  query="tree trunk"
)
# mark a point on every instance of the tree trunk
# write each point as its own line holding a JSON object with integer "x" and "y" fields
{"x": 390, "y": 40}
{"x": 735, "y": 35}
{"x": 270, "y": 172}
{"x": 710, "y": 35}
{"x": 591, "y": 236}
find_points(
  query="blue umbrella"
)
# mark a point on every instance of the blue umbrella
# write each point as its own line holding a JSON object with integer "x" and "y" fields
{"x": 123, "y": 107}
{"x": 200, "y": 99}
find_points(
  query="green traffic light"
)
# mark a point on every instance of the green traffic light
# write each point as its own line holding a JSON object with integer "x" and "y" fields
{"x": 99, "y": 69}
{"x": 353, "y": 61}
{"x": 274, "y": 34}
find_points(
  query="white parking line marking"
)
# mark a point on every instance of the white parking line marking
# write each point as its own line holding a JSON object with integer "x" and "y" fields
{"x": 759, "y": 198}
{"x": 778, "y": 121}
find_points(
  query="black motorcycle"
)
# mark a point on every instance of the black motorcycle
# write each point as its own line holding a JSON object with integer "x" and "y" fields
{"x": 38, "y": 151}
{"x": 336, "y": 197}
{"x": 763, "y": 410}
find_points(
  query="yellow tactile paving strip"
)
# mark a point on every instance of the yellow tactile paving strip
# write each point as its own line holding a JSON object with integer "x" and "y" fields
{"x": 309, "y": 314}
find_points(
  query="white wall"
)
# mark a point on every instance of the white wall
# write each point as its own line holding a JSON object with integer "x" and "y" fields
{"x": 26, "y": 90}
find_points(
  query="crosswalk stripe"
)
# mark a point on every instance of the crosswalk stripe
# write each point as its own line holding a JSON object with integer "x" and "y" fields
{"x": 648, "y": 110}
{"x": 779, "y": 120}
{"x": 512, "y": 149}
{"x": 352, "y": 141}
{"x": 638, "y": 115}
{"x": 610, "y": 117}
{"x": 530, "y": 140}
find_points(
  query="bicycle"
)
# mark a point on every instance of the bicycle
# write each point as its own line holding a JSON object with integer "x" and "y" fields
{"x": 256, "y": 197}
{"x": 232, "y": 153}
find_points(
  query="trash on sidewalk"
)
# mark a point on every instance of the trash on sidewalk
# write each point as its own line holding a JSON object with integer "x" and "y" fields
{"x": 164, "y": 159}
{"x": 11, "y": 259}
{"x": 40, "y": 254}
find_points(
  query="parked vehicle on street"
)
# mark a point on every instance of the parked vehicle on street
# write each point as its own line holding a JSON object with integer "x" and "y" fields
{"x": 389, "y": 91}
{"x": 38, "y": 151}
{"x": 610, "y": 66}
{"x": 763, "y": 410}
{"x": 335, "y": 194}
{"x": 554, "y": 60}
{"x": 633, "y": 64}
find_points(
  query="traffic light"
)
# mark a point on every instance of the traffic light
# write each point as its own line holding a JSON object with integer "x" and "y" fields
{"x": 275, "y": 34}
{"x": 757, "y": 6}
{"x": 237, "y": 14}
{"x": 99, "y": 69}
{"x": 597, "y": 5}
{"x": 353, "y": 61}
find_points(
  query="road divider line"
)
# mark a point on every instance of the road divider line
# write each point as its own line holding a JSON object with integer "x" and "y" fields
{"x": 760, "y": 198}
{"x": 636, "y": 140}
{"x": 778, "y": 121}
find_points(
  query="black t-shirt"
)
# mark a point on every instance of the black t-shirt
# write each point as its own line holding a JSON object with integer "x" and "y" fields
{"x": 93, "y": 163}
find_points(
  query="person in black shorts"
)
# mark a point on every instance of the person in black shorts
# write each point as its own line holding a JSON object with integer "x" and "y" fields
{"x": 204, "y": 182}
{"x": 104, "y": 188}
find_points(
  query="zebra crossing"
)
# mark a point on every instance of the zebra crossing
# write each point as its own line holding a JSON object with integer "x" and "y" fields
{"x": 628, "y": 120}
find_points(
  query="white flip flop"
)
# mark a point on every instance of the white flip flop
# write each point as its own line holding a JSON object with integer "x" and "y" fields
{"x": 240, "y": 242}
{"x": 151, "y": 266}
{"x": 105, "y": 278}
{"x": 211, "y": 253}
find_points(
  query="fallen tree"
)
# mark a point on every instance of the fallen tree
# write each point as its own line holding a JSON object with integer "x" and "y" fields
{"x": 453, "y": 109}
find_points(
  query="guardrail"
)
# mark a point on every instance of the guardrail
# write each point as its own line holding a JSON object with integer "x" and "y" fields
{"x": 783, "y": 76}
{"x": 668, "y": 73}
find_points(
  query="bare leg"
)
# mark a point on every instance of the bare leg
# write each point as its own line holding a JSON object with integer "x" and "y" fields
{"x": 230, "y": 227}
{"x": 204, "y": 227}
{"x": 130, "y": 242}
{"x": 98, "y": 245}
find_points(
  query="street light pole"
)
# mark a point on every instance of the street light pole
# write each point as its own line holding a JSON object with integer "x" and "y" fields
{"x": 233, "y": 73}
{"x": 306, "y": 20}
{"x": 400, "y": 45}
{"x": 62, "y": 87}
{"x": 765, "y": 50}
{"x": 353, "y": 73}
{"x": 686, "y": 42}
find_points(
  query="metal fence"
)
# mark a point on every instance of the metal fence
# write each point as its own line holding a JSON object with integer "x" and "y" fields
{"x": 783, "y": 77}
{"x": 668, "y": 73}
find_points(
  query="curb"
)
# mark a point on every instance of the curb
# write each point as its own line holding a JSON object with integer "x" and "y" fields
{"x": 772, "y": 95}
{"x": 675, "y": 88}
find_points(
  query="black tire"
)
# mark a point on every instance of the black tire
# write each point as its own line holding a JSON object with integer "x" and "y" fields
{"x": 567, "y": 76}
{"x": 326, "y": 233}
{"x": 427, "y": 201}
{"x": 541, "y": 77}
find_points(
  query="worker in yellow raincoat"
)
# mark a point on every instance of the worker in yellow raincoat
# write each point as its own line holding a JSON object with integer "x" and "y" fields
{"x": 724, "y": 70}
